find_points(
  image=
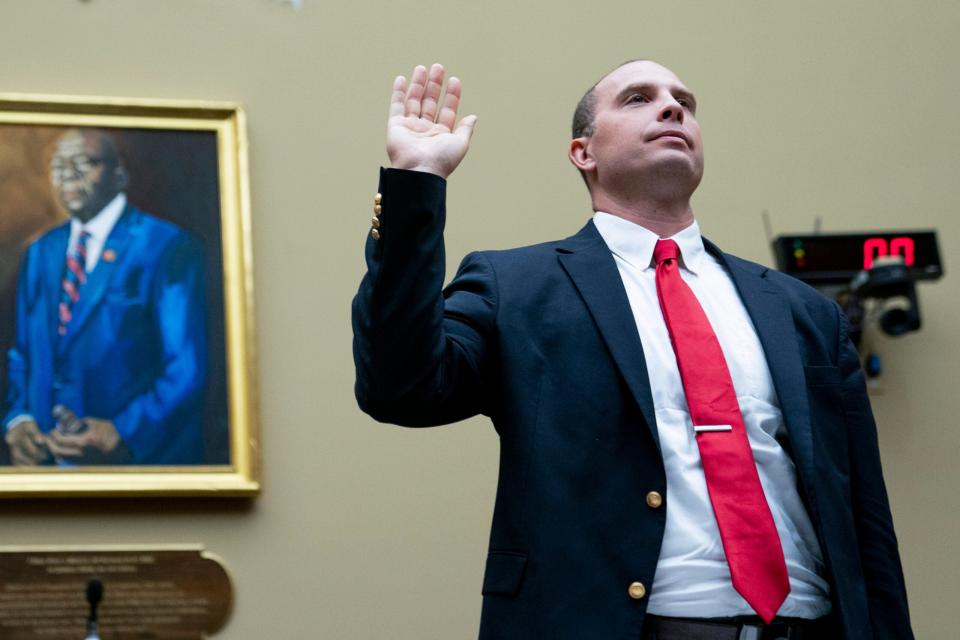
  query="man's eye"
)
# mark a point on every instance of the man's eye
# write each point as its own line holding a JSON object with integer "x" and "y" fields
{"x": 637, "y": 97}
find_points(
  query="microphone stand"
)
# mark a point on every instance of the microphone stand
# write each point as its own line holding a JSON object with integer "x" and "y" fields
{"x": 94, "y": 595}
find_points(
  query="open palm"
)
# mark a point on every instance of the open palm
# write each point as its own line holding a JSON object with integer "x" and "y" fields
{"x": 422, "y": 133}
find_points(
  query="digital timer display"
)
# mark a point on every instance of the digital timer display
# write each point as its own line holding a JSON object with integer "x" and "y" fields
{"x": 837, "y": 258}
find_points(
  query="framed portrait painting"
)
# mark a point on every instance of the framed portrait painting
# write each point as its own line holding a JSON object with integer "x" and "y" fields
{"x": 126, "y": 302}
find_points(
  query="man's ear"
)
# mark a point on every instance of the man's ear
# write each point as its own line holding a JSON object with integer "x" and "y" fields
{"x": 580, "y": 156}
{"x": 120, "y": 178}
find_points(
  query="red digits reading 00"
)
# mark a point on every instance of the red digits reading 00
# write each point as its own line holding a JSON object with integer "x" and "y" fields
{"x": 874, "y": 248}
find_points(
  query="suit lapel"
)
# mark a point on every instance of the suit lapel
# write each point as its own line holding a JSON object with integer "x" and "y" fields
{"x": 590, "y": 265}
{"x": 770, "y": 312}
{"x": 91, "y": 294}
{"x": 55, "y": 255}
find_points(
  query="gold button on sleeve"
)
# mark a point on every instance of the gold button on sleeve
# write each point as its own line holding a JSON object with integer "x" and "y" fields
{"x": 375, "y": 221}
{"x": 637, "y": 590}
{"x": 377, "y": 199}
{"x": 377, "y": 209}
{"x": 375, "y": 234}
{"x": 654, "y": 500}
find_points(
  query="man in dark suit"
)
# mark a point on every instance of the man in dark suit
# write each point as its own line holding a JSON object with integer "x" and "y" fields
{"x": 109, "y": 362}
{"x": 687, "y": 447}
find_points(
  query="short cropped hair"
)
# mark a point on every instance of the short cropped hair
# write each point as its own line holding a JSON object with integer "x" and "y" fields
{"x": 584, "y": 114}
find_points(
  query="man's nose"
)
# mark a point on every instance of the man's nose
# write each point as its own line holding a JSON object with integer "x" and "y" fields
{"x": 672, "y": 111}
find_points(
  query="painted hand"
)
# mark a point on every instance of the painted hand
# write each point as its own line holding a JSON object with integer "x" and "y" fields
{"x": 28, "y": 446}
{"x": 87, "y": 441}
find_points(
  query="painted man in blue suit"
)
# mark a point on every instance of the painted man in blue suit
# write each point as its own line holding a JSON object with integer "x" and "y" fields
{"x": 109, "y": 362}
{"x": 613, "y": 513}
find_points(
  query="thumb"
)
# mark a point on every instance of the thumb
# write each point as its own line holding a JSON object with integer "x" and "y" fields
{"x": 466, "y": 127}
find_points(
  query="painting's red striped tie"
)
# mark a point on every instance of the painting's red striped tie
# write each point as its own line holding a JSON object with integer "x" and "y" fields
{"x": 74, "y": 276}
{"x": 749, "y": 535}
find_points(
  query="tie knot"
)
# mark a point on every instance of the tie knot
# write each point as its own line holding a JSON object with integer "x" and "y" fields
{"x": 665, "y": 250}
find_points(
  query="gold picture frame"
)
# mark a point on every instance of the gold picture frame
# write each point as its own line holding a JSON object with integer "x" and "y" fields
{"x": 181, "y": 168}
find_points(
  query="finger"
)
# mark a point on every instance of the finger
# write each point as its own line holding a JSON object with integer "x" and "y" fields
{"x": 26, "y": 447}
{"x": 431, "y": 96}
{"x": 62, "y": 439}
{"x": 21, "y": 459}
{"x": 398, "y": 96}
{"x": 451, "y": 102}
{"x": 39, "y": 439}
{"x": 62, "y": 449}
{"x": 418, "y": 81}
{"x": 466, "y": 127}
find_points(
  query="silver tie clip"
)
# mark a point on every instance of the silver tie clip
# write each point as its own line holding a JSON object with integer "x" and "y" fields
{"x": 712, "y": 427}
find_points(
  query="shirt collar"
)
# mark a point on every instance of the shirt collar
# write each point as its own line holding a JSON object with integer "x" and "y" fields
{"x": 634, "y": 243}
{"x": 101, "y": 224}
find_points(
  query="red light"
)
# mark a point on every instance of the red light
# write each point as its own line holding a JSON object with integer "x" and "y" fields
{"x": 874, "y": 248}
{"x": 903, "y": 246}
{"x": 871, "y": 245}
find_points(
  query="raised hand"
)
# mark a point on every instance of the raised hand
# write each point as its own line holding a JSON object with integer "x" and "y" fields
{"x": 422, "y": 133}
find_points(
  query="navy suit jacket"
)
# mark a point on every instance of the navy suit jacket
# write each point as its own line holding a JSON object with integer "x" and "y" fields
{"x": 542, "y": 340}
{"x": 135, "y": 351}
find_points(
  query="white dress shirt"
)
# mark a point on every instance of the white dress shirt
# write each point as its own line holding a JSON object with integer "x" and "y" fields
{"x": 693, "y": 578}
{"x": 99, "y": 228}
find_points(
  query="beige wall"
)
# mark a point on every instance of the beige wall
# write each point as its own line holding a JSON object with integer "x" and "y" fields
{"x": 846, "y": 110}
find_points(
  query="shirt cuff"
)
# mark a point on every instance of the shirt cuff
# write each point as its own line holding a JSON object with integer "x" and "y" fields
{"x": 23, "y": 417}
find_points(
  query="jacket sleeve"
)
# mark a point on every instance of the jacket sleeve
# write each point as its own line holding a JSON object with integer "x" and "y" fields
{"x": 879, "y": 556}
{"x": 170, "y": 403}
{"x": 422, "y": 353}
{"x": 18, "y": 355}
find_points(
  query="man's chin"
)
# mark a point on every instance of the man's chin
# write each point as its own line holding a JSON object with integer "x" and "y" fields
{"x": 78, "y": 210}
{"x": 679, "y": 167}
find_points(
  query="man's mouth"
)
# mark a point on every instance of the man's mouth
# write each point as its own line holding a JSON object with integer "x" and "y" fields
{"x": 73, "y": 198}
{"x": 673, "y": 133}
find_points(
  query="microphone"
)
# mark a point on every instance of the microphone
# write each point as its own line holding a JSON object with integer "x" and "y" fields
{"x": 94, "y": 596}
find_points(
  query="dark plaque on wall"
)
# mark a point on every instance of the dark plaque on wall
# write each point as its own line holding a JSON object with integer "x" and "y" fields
{"x": 177, "y": 592}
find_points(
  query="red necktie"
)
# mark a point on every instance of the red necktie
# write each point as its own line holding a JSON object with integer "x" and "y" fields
{"x": 74, "y": 277}
{"x": 749, "y": 535}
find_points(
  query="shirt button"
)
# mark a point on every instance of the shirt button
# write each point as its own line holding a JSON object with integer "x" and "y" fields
{"x": 654, "y": 500}
{"x": 637, "y": 590}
